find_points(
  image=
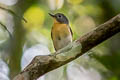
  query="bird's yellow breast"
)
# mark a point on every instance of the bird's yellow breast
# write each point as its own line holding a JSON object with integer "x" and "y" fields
{"x": 61, "y": 30}
{"x": 61, "y": 35}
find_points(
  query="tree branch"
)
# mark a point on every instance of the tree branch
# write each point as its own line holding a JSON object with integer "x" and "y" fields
{"x": 43, "y": 64}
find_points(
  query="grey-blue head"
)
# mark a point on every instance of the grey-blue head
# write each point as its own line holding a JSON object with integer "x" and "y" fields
{"x": 60, "y": 18}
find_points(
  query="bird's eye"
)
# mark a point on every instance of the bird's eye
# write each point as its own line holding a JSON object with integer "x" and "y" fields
{"x": 59, "y": 16}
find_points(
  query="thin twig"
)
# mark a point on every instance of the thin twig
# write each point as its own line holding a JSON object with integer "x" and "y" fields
{"x": 13, "y": 13}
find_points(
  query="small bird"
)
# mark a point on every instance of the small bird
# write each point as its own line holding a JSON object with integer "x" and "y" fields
{"x": 61, "y": 32}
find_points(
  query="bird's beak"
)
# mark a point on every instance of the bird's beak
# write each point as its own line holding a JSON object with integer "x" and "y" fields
{"x": 52, "y": 15}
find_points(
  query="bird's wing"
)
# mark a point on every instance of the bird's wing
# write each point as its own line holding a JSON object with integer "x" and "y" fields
{"x": 71, "y": 31}
{"x": 51, "y": 33}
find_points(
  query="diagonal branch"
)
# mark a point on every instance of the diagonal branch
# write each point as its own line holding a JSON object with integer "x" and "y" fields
{"x": 43, "y": 64}
{"x": 13, "y": 13}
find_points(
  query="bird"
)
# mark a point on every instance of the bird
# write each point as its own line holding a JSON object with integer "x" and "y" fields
{"x": 61, "y": 32}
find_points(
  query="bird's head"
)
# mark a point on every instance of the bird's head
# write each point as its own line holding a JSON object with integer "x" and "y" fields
{"x": 60, "y": 18}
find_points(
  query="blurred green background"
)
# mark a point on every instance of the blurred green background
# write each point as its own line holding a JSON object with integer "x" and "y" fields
{"x": 84, "y": 16}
